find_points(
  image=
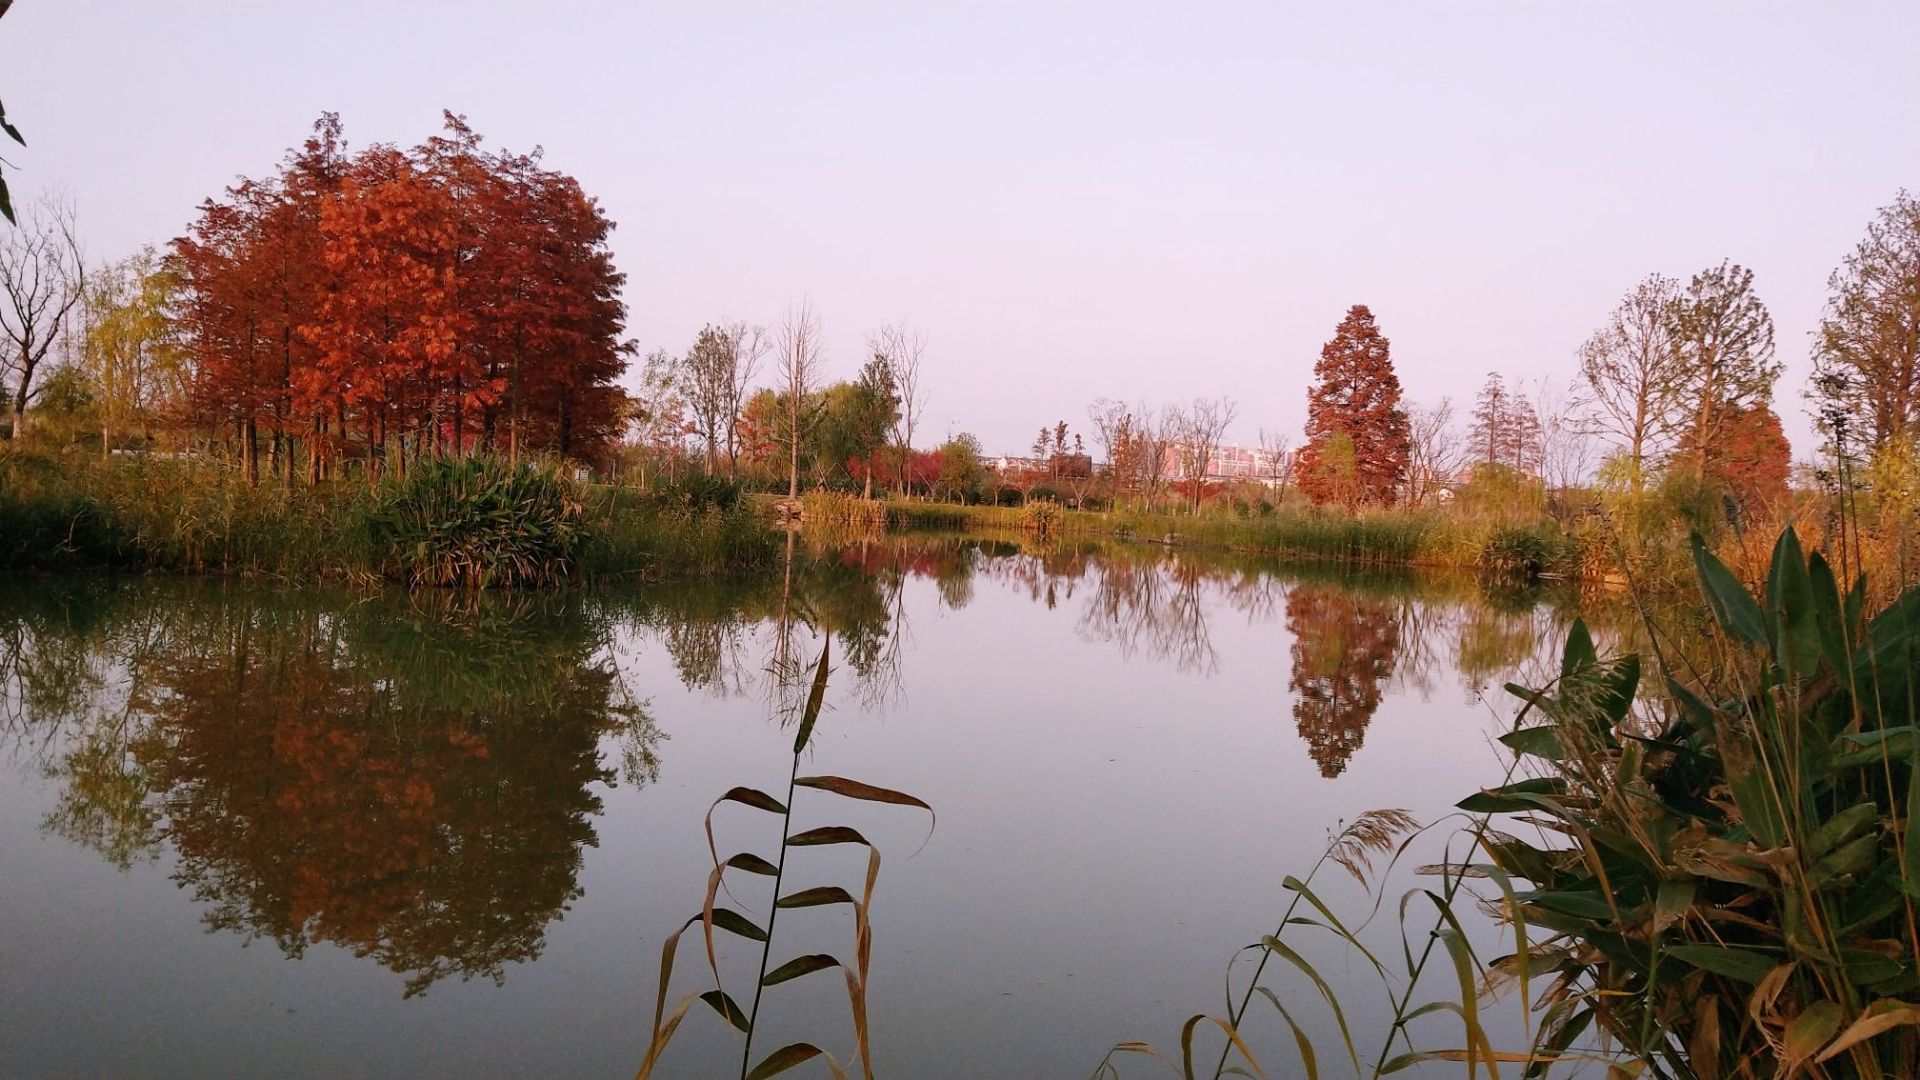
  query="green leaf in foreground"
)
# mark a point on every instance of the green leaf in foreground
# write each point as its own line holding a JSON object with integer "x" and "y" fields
{"x": 1733, "y": 607}
{"x": 827, "y": 834}
{"x": 1746, "y": 965}
{"x": 815, "y": 897}
{"x": 783, "y": 1059}
{"x": 798, "y": 966}
{"x": 727, "y": 1008}
{"x": 735, "y": 923}
{"x": 815, "y": 697}
{"x": 753, "y": 797}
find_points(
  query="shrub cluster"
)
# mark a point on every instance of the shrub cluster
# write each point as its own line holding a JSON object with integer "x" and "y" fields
{"x": 473, "y": 522}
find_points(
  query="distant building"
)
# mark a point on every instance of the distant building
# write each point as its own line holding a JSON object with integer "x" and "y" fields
{"x": 1232, "y": 462}
{"x": 1054, "y": 466}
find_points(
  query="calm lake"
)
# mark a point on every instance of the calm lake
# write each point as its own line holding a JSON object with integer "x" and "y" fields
{"x": 259, "y": 832}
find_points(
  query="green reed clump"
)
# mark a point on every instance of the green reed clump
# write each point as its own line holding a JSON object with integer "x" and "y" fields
{"x": 458, "y": 521}
{"x": 696, "y": 492}
{"x": 936, "y": 515}
{"x": 1396, "y": 536}
{"x": 75, "y": 511}
{"x": 1043, "y": 518}
{"x": 478, "y": 521}
{"x": 714, "y": 915}
{"x": 1735, "y": 890}
{"x": 643, "y": 534}
{"x": 836, "y": 508}
{"x": 1526, "y": 552}
{"x": 1376, "y": 539}
{"x": 914, "y": 514}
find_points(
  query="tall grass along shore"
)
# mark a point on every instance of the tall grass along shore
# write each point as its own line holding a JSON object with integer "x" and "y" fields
{"x": 473, "y": 522}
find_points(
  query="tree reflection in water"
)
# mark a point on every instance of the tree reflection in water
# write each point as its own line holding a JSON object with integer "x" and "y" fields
{"x": 413, "y": 784}
{"x": 416, "y": 782}
{"x": 1343, "y": 652}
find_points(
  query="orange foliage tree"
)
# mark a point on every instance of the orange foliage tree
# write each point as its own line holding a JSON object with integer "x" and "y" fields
{"x": 1358, "y": 435}
{"x": 1754, "y": 459}
{"x": 397, "y": 302}
{"x": 1344, "y": 650}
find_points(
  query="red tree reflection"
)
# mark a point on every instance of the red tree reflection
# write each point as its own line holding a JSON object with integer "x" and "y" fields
{"x": 1344, "y": 649}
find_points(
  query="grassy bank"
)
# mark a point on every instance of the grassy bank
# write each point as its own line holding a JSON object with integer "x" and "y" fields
{"x": 1409, "y": 538}
{"x": 468, "y": 522}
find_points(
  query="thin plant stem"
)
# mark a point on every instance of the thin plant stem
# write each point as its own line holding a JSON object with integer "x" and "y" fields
{"x": 773, "y": 912}
{"x": 1234, "y": 1015}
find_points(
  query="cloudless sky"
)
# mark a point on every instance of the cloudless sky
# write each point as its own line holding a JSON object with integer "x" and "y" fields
{"x": 1143, "y": 201}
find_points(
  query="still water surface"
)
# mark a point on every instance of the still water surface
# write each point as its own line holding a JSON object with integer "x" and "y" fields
{"x": 249, "y": 832}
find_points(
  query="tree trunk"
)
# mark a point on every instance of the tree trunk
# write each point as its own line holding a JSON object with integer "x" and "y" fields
{"x": 251, "y": 450}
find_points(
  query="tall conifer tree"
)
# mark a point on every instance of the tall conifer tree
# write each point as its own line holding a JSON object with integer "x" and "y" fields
{"x": 1358, "y": 437}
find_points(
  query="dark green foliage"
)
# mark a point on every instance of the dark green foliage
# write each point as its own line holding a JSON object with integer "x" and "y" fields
{"x": 1741, "y": 881}
{"x": 473, "y": 522}
{"x": 75, "y": 511}
{"x": 695, "y": 492}
{"x": 1526, "y": 552}
{"x": 631, "y": 534}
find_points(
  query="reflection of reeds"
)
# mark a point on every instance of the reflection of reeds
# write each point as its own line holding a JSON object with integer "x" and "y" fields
{"x": 713, "y": 915}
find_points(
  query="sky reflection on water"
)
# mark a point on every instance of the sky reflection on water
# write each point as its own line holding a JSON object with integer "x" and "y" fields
{"x": 471, "y": 825}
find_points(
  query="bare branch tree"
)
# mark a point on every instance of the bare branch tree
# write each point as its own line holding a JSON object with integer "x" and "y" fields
{"x": 902, "y": 348}
{"x": 1565, "y": 447}
{"x": 1435, "y": 452}
{"x": 1110, "y": 420}
{"x": 713, "y": 378}
{"x": 1203, "y": 425}
{"x": 1867, "y": 353}
{"x": 1164, "y": 450}
{"x": 747, "y": 346}
{"x": 800, "y": 356}
{"x": 42, "y": 281}
{"x": 1277, "y": 447}
{"x": 1631, "y": 374}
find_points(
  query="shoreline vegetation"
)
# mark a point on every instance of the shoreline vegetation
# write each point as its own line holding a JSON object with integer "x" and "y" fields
{"x": 411, "y": 365}
{"x": 478, "y": 520}
{"x": 1625, "y": 542}
{"x": 465, "y": 522}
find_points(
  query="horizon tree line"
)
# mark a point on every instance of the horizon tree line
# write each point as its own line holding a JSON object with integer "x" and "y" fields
{"x": 376, "y": 305}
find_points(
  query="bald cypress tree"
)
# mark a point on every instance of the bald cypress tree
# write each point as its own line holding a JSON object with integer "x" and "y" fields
{"x": 1358, "y": 437}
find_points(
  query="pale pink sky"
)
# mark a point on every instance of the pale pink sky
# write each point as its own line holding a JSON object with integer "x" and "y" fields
{"x": 1142, "y": 201}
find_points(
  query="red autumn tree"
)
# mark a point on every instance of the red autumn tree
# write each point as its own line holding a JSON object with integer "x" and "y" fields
{"x": 1344, "y": 650}
{"x": 1754, "y": 459}
{"x": 1358, "y": 437}
{"x": 434, "y": 300}
{"x": 1506, "y": 429}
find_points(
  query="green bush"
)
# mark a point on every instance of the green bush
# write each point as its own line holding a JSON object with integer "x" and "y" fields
{"x": 1042, "y": 517}
{"x": 1743, "y": 877}
{"x": 73, "y": 510}
{"x": 697, "y": 492}
{"x": 1525, "y": 552}
{"x": 474, "y": 522}
{"x": 835, "y": 508}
